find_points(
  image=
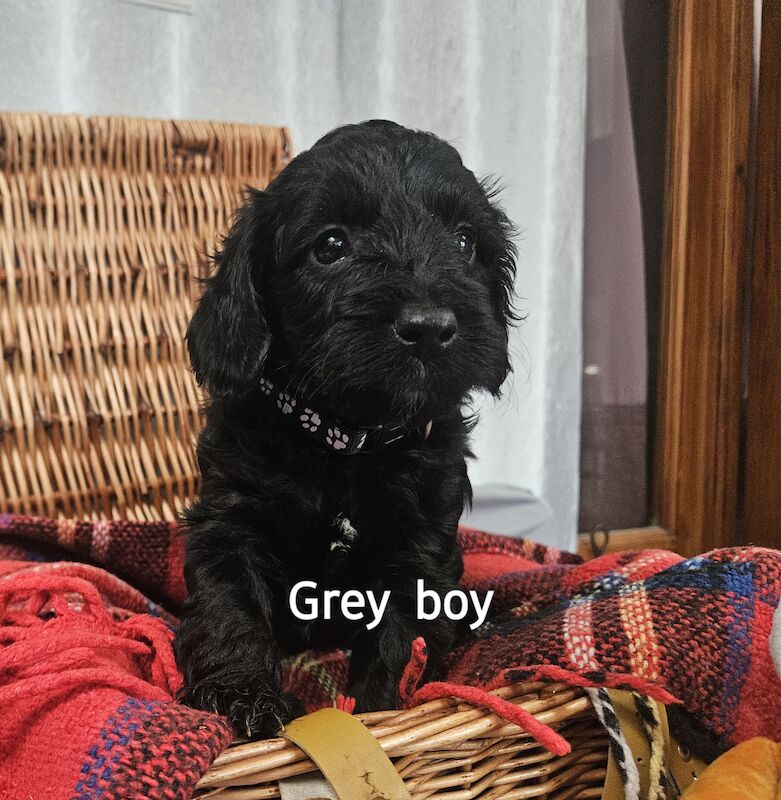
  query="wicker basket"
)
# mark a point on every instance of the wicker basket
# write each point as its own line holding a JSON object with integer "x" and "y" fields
{"x": 104, "y": 227}
{"x": 447, "y": 750}
{"x": 105, "y": 224}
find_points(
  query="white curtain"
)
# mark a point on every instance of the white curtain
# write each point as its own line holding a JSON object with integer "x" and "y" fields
{"x": 503, "y": 80}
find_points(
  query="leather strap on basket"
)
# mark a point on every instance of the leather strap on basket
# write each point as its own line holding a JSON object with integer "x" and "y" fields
{"x": 348, "y": 755}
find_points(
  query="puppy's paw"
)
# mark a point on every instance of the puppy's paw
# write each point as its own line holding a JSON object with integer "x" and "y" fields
{"x": 257, "y": 709}
{"x": 231, "y": 668}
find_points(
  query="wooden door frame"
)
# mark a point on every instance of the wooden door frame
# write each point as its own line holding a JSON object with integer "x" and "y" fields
{"x": 699, "y": 404}
{"x": 761, "y": 517}
{"x": 697, "y": 437}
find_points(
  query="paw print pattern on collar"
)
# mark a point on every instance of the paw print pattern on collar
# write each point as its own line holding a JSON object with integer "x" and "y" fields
{"x": 337, "y": 439}
{"x": 331, "y": 432}
{"x": 286, "y": 402}
{"x": 310, "y": 420}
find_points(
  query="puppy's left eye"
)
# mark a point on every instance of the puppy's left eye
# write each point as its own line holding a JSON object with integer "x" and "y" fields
{"x": 331, "y": 247}
{"x": 466, "y": 241}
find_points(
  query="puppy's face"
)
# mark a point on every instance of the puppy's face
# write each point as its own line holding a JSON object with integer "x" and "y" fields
{"x": 373, "y": 277}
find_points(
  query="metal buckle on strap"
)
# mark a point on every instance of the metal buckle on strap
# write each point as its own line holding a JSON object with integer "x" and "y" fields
{"x": 379, "y": 436}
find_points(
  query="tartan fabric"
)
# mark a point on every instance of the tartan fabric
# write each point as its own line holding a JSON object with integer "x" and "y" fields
{"x": 697, "y": 628}
{"x": 694, "y": 630}
{"x": 149, "y": 749}
{"x": 87, "y": 675}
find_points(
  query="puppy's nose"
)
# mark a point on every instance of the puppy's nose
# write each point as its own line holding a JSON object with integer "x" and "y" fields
{"x": 426, "y": 330}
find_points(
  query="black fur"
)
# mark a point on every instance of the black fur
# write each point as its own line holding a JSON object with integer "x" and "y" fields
{"x": 271, "y": 495}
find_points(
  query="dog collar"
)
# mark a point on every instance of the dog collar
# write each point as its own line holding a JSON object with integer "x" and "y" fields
{"x": 331, "y": 432}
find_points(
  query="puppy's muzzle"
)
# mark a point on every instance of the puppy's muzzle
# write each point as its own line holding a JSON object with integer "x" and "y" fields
{"x": 426, "y": 331}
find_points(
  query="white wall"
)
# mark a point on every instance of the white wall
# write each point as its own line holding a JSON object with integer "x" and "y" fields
{"x": 504, "y": 80}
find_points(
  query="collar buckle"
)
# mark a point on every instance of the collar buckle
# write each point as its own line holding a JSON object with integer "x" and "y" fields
{"x": 379, "y": 436}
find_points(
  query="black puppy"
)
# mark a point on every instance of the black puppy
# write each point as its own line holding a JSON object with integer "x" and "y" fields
{"x": 357, "y": 303}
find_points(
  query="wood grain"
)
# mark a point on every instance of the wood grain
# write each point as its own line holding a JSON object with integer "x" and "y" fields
{"x": 762, "y": 476}
{"x": 709, "y": 94}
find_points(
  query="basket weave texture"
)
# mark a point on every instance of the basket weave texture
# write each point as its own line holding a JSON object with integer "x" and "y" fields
{"x": 447, "y": 750}
{"x": 105, "y": 224}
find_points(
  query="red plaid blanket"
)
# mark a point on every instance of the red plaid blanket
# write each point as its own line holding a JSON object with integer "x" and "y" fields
{"x": 87, "y": 677}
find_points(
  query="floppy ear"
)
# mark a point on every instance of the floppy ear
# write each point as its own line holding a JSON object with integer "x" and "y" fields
{"x": 500, "y": 234}
{"x": 501, "y": 252}
{"x": 228, "y": 336}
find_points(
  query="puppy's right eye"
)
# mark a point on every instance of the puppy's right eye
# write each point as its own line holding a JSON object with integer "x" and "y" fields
{"x": 331, "y": 246}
